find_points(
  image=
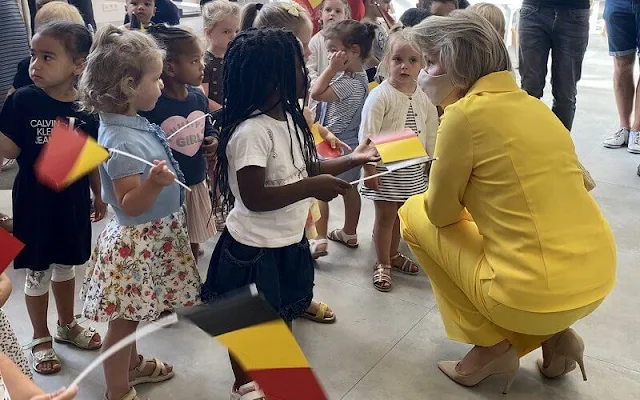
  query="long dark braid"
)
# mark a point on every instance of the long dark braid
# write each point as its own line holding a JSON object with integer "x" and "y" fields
{"x": 259, "y": 62}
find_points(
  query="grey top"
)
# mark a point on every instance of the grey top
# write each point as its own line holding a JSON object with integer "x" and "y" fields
{"x": 14, "y": 45}
{"x": 136, "y": 135}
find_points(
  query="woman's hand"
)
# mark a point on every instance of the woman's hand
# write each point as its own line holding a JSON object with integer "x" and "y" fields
{"x": 62, "y": 394}
{"x": 365, "y": 153}
{"x": 161, "y": 175}
{"x": 373, "y": 183}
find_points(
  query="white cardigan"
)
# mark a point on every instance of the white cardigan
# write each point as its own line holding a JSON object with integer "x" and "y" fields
{"x": 319, "y": 58}
{"x": 385, "y": 110}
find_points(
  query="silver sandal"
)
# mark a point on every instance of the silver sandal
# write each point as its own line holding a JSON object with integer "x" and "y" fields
{"x": 82, "y": 340}
{"x": 43, "y": 356}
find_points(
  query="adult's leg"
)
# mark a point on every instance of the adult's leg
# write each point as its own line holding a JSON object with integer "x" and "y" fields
{"x": 570, "y": 38}
{"x": 624, "y": 87}
{"x": 534, "y": 32}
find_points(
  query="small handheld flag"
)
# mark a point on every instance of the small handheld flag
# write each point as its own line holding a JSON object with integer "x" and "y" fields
{"x": 10, "y": 247}
{"x": 398, "y": 146}
{"x": 68, "y": 156}
{"x": 262, "y": 343}
{"x": 323, "y": 147}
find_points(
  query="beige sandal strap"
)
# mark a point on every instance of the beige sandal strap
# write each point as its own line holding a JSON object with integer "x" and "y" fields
{"x": 322, "y": 310}
{"x": 160, "y": 368}
{"x": 381, "y": 276}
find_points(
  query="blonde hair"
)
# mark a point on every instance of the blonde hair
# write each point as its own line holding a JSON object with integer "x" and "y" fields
{"x": 215, "y": 11}
{"x": 279, "y": 14}
{"x": 492, "y": 13}
{"x": 57, "y": 11}
{"x": 465, "y": 44}
{"x": 399, "y": 35}
{"x": 117, "y": 56}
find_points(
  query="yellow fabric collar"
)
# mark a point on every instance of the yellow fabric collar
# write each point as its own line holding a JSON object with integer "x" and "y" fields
{"x": 495, "y": 82}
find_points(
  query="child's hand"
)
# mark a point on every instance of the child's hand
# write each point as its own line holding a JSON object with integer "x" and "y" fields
{"x": 161, "y": 175}
{"x": 210, "y": 146}
{"x": 99, "y": 209}
{"x": 373, "y": 183}
{"x": 365, "y": 153}
{"x": 333, "y": 141}
{"x": 328, "y": 187}
{"x": 338, "y": 61}
{"x": 62, "y": 394}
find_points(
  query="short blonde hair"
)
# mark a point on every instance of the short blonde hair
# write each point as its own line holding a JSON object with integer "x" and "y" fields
{"x": 215, "y": 11}
{"x": 117, "y": 56}
{"x": 279, "y": 14}
{"x": 465, "y": 44}
{"x": 57, "y": 11}
{"x": 492, "y": 13}
{"x": 399, "y": 35}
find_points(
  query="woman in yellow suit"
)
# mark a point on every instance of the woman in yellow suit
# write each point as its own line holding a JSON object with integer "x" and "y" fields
{"x": 515, "y": 247}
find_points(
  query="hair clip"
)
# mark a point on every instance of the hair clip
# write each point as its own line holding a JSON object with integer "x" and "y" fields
{"x": 294, "y": 8}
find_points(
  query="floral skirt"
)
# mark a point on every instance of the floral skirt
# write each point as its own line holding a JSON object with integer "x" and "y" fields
{"x": 137, "y": 272}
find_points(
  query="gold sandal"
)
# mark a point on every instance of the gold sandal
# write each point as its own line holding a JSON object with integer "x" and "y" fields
{"x": 82, "y": 340}
{"x": 131, "y": 395}
{"x": 160, "y": 373}
{"x": 42, "y": 356}
{"x": 407, "y": 265}
{"x": 382, "y": 277}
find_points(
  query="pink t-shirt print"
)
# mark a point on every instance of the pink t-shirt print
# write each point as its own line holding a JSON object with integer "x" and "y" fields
{"x": 189, "y": 139}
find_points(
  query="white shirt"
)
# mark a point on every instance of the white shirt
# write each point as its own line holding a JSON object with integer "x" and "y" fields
{"x": 265, "y": 142}
{"x": 385, "y": 110}
{"x": 319, "y": 58}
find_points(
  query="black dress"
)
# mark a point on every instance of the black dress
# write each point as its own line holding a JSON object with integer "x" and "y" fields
{"x": 54, "y": 226}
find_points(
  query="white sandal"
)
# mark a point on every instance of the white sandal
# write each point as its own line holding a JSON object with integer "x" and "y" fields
{"x": 131, "y": 395}
{"x": 249, "y": 391}
{"x": 339, "y": 236}
{"x": 313, "y": 246}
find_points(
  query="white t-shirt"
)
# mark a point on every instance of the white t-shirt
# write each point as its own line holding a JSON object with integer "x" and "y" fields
{"x": 265, "y": 142}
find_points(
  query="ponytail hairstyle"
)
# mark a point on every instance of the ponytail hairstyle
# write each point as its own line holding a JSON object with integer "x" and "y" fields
{"x": 351, "y": 32}
{"x": 173, "y": 40}
{"x": 118, "y": 61}
{"x": 75, "y": 38}
{"x": 259, "y": 63}
{"x": 291, "y": 16}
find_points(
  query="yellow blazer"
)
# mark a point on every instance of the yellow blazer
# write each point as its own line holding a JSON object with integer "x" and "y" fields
{"x": 507, "y": 159}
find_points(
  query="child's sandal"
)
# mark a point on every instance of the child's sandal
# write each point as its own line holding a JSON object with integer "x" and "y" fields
{"x": 382, "y": 277}
{"x": 131, "y": 395}
{"x": 314, "y": 245}
{"x": 160, "y": 372}
{"x": 43, "y": 356}
{"x": 408, "y": 267}
{"x": 249, "y": 391}
{"x": 338, "y": 235}
{"x": 82, "y": 340}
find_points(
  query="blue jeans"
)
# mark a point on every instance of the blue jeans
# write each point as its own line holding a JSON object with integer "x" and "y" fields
{"x": 623, "y": 26}
{"x": 564, "y": 32}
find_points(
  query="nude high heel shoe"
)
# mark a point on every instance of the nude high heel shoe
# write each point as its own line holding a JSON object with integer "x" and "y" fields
{"x": 507, "y": 364}
{"x": 568, "y": 350}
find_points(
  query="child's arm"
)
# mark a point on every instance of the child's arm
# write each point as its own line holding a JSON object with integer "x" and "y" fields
{"x": 321, "y": 89}
{"x": 213, "y": 106}
{"x": 363, "y": 154}
{"x": 8, "y": 148}
{"x": 99, "y": 206}
{"x": 135, "y": 196}
{"x": 5, "y": 288}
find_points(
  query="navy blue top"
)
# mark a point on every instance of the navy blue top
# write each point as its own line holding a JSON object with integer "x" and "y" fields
{"x": 172, "y": 114}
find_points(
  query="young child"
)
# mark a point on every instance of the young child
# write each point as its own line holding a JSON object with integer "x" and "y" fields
{"x": 221, "y": 24}
{"x": 491, "y": 13}
{"x": 268, "y": 170}
{"x": 331, "y": 11}
{"x": 343, "y": 88}
{"x": 55, "y": 11}
{"x": 143, "y": 10}
{"x": 396, "y": 104}
{"x": 373, "y": 15}
{"x": 55, "y": 226}
{"x": 9, "y": 344}
{"x": 183, "y": 102}
{"x": 142, "y": 265}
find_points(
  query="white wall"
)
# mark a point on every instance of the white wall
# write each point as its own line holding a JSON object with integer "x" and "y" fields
{"x": 109, "y": 11}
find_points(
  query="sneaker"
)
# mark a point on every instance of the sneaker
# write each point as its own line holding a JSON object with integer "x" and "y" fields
{"x": 618, "y": 139}
{"x": 634, "y": 142}
{"x": 250, "y": 391}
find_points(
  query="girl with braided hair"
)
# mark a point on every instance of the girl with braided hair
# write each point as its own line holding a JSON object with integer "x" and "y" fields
{"x": 268, "y": 172}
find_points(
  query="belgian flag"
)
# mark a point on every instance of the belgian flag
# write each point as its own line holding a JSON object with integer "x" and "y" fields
{"x": 262, "y": 343}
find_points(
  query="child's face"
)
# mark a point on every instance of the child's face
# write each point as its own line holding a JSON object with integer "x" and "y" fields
{"x": 188, "y": 69}
{"x": 144, "y": 10}
{"x": 145, "y": 96}
{"x": 333, "y": 11}
{"x": 51, "y": 65}
{"x": 442, "y": 8}
{"x": 405, "y": 63}
{"x": 224, "y": 32}
{"x": 335, "y": 45}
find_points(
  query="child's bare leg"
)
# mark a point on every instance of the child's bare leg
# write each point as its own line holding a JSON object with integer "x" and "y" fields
{"x": 383, "y": 230}
{"x": 195, "y": 247}
{"x": 399, "y": 261}
{"x": 322, "y": 225}
{"x": 395, "y": 237}
{"x": 137, "y": 358}
{"x": 352, "y": 205}
{"x": 116, "y": 367}
{"x": 37, "y": 308}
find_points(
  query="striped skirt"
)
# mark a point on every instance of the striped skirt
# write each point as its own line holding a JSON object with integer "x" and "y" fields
{"x": 397, "y": 186}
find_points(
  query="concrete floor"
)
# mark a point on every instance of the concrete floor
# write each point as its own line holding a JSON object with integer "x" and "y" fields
{"x": 385, "y": 346}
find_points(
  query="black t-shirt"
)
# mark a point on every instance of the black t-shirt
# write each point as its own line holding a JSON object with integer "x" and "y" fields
{"x": 566, "y": 4}
{"x": 54, "y": 226}
{"x": 172, "y": 114}
{"x": 22, "y": 77}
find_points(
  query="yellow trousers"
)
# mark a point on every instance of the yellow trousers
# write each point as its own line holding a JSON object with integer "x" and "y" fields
{"x": 453, "y": 258}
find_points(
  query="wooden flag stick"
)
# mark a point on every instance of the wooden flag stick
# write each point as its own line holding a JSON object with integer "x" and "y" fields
{"x": 142, "y": 160}
{"x": 388, "y": 172}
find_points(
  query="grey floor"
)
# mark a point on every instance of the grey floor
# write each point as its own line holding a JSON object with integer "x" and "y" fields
{"x": 385, "y": 346}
